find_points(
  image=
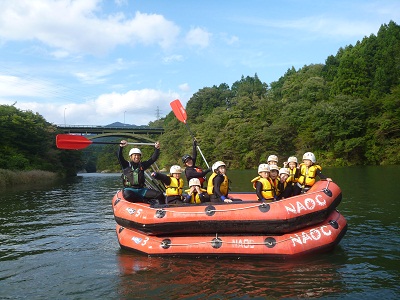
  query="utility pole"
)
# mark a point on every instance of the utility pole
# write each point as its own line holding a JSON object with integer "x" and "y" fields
{"x": 65, "y": 123}
{"x": 158, "y": 113}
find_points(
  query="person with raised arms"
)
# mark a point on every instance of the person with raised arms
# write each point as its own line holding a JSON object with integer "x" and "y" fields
{"x": 192, "y": 170}
{"x": 133, "y": 176}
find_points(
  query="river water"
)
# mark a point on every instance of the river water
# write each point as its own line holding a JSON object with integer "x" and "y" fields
{"x": 58, "y": 242}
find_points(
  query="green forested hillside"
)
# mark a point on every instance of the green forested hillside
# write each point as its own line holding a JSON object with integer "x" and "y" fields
{"x": 347, "y": 111}
{"x": 28, "y": 143}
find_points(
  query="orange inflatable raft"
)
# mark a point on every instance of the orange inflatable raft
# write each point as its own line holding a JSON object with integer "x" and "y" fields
{"x": 247, "y": 216}
{"x": 318, "y": 238}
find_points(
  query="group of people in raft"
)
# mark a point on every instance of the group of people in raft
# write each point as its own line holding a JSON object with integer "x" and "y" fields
{"x": 272, "y": 183}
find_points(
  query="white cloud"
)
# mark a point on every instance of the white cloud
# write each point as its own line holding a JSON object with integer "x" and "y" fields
{"x": 99, "y": 74}
{"x": 198, "y": 37}
{"x": 59, "y": 54}
{"x": 173, "y": 58}
{"x": 231, "y": 40}
{"x": 329, "y": 27}
{"x": 15, "y": 86}
{"x": 137, "y": 106}
{"x": 73, "y": 26}
{"x": 184, "y": 87}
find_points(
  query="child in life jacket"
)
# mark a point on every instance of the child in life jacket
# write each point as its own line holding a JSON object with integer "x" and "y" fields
{"x": 195, "y": 194}
{"x": 274, "y": 179}
{"x": 285, "y": 188}
{"x": 294, "y": 171}
{"x": 272, "y": 160}
{"x": 173, "y": 184}
{"x": 309, "y": 170}
{"x": 262, "y": 184}
{"x": 218, "y": 184}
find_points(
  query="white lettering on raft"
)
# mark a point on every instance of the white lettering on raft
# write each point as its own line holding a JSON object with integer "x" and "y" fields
{"x": 308, "y": 204}
{"x": 314, "y": 234}
{"x": 245, "y": 243}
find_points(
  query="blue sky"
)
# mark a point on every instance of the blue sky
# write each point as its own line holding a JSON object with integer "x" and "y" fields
{"x": 92, "y": 62}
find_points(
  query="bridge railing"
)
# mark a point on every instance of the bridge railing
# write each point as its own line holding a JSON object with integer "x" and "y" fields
{"x": 96, "y": 129}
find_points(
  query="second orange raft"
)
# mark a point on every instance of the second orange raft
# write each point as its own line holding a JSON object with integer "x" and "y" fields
{"x": 321, "y": 237}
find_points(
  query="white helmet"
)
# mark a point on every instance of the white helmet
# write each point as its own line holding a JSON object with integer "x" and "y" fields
{"x": 216, "y": 165}
{"x": 194, "y": 181}
{"x": 292, "y": 159}
{"x": 135, "y": 151}
{"x": 263, "y": 168}
{"x": 284, "y": 171}
{"x": 175, "y": 169}
{"x": 273, "y": 167}
{"x": 310, "y": 156}
{"x": 272, "y": 158}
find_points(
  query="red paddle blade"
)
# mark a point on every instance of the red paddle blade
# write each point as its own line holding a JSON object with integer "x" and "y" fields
{"x": 73, "y": 142}
{"x": 179, "y": 110}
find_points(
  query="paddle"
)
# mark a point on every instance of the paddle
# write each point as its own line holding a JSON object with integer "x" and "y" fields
{"x": 76, "y": 142}
{"x": 180, "y": 114}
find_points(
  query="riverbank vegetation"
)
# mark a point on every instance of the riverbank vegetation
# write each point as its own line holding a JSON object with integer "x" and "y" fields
{"x": 28, "y": 144}
{"x": 346, "y": 111}
{"x": 10, "y": 178}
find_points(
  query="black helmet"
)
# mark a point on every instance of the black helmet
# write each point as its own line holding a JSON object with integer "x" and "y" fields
{"x": 186, "y": 157}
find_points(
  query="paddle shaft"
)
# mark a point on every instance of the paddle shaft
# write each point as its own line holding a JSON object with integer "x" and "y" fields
{"x": 74, "y": 142}
{"x": 198, "y": 147}
{"x": 117, "y": 143}
{"x": 180, "y": 114}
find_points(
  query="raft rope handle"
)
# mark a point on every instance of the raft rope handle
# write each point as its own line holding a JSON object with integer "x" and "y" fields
{"x": 213, "y": 210}
{"x": 328, "y": 183}
{"x": 253, "y": 244}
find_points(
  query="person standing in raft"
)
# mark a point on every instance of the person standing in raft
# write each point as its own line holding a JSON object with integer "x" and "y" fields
{"x": 309, "y": 170}
{"x": 173, "y": 184}
{"x": 195, "y": 194}
{"x": 262, "y": 184}
{"x": 133, "y": 177}
{"x": 218, "y": 184}
{"x": 191, "y": 170}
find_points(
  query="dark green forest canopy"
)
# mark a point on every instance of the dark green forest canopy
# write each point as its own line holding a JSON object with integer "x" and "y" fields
{"x": 346, "y": 111}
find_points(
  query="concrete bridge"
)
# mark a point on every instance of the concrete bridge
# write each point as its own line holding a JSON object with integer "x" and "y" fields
{"x": 138, "y": 133}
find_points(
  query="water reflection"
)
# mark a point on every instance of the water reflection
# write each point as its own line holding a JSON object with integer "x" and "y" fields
{"x": 227, "y": 278}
